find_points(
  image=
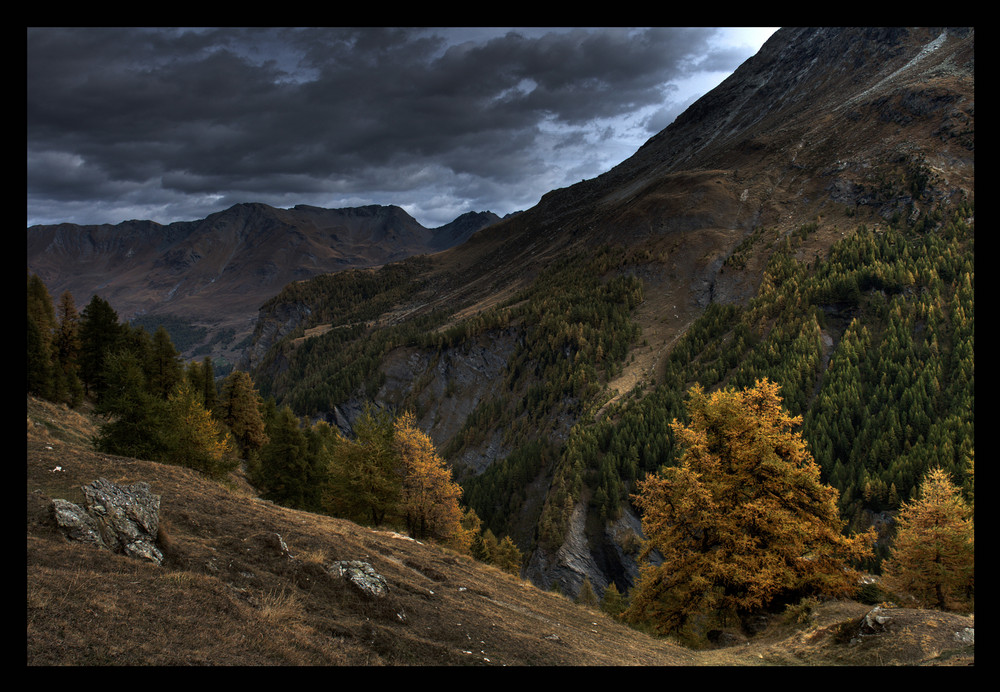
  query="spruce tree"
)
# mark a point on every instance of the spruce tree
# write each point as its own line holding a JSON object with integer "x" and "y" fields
{"x": 137, "y": 421}
{"x": 288, "y": 473}
{"x": 100, "y": 334}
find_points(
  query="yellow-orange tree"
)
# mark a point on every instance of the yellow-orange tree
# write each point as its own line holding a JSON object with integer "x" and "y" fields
{"x": 933, "y": 557}
{"x": 195, "y": 439}
{"x": 429, "y": 498}
{"x": 743, "y": 518}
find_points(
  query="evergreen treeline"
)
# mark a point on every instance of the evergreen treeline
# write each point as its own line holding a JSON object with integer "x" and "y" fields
{"x": 887, "y": 397}
{"x": 154, "y": 407}
{"x": 319, "y": 372}
{"x": 576, "y": 325}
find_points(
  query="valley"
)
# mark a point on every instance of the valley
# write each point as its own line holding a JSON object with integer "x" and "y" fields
{"x": 205, "y": 280}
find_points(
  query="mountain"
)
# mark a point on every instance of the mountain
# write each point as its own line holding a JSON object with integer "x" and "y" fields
{"x": 811, "y": 220}
{"x": 213, "y": 274}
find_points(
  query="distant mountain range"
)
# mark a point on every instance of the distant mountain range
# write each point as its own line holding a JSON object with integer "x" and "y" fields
{"x": 207, "y": 279}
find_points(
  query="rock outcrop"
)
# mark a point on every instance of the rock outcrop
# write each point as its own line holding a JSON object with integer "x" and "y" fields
{"x": 362, "y": 576}
{"x": 124, "y": 519}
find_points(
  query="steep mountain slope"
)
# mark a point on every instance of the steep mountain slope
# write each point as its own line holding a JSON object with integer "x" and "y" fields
{"x": 521, "y": 349}
{"x": 214, "y": 274}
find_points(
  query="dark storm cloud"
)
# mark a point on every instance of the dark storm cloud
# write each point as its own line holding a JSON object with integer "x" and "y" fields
{"x": 177, "y": 123}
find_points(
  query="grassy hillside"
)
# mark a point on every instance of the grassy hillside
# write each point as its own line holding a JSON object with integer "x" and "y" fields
{"x": 225, "y": 596}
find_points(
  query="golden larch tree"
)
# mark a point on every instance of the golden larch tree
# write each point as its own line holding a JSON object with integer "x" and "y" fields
{"x": 429, "y": 500}
{"x": 933, "y": 555}
{"x": 743, "y": 518}
{"x": 196, "y": 439}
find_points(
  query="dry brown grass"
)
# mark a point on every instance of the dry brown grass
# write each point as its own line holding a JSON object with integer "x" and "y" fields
{"x": 226, "y": 596}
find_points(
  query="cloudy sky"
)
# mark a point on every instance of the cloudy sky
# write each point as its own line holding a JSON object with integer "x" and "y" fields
{"x": 175, "y": 124}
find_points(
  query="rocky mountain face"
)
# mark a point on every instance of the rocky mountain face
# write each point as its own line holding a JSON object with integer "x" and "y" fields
{"x": 818, "y": 128}
{"x": 214, "y": 274}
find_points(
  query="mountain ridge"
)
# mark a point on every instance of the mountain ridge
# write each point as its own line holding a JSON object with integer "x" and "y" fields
{"x": 217, "y": 271}
{"x": 825, "y": 132}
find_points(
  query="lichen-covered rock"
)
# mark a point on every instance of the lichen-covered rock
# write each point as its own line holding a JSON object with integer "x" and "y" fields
{"x": 967, "y": 635}
{"x": 362, "y": 575}
{"x": 75, "y": 523}
{"x": 875, "y": 621}
{"x": 122, "y": 518}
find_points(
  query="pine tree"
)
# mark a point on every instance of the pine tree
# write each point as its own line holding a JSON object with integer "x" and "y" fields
{"x": 288, "y": 474}
{"x": 136, "y": 420}
{"x": 743, "y": 519}
{"x": 933, "y": 556}
{"x": 100, "y": 334}
{"x": 239, "y": 407}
